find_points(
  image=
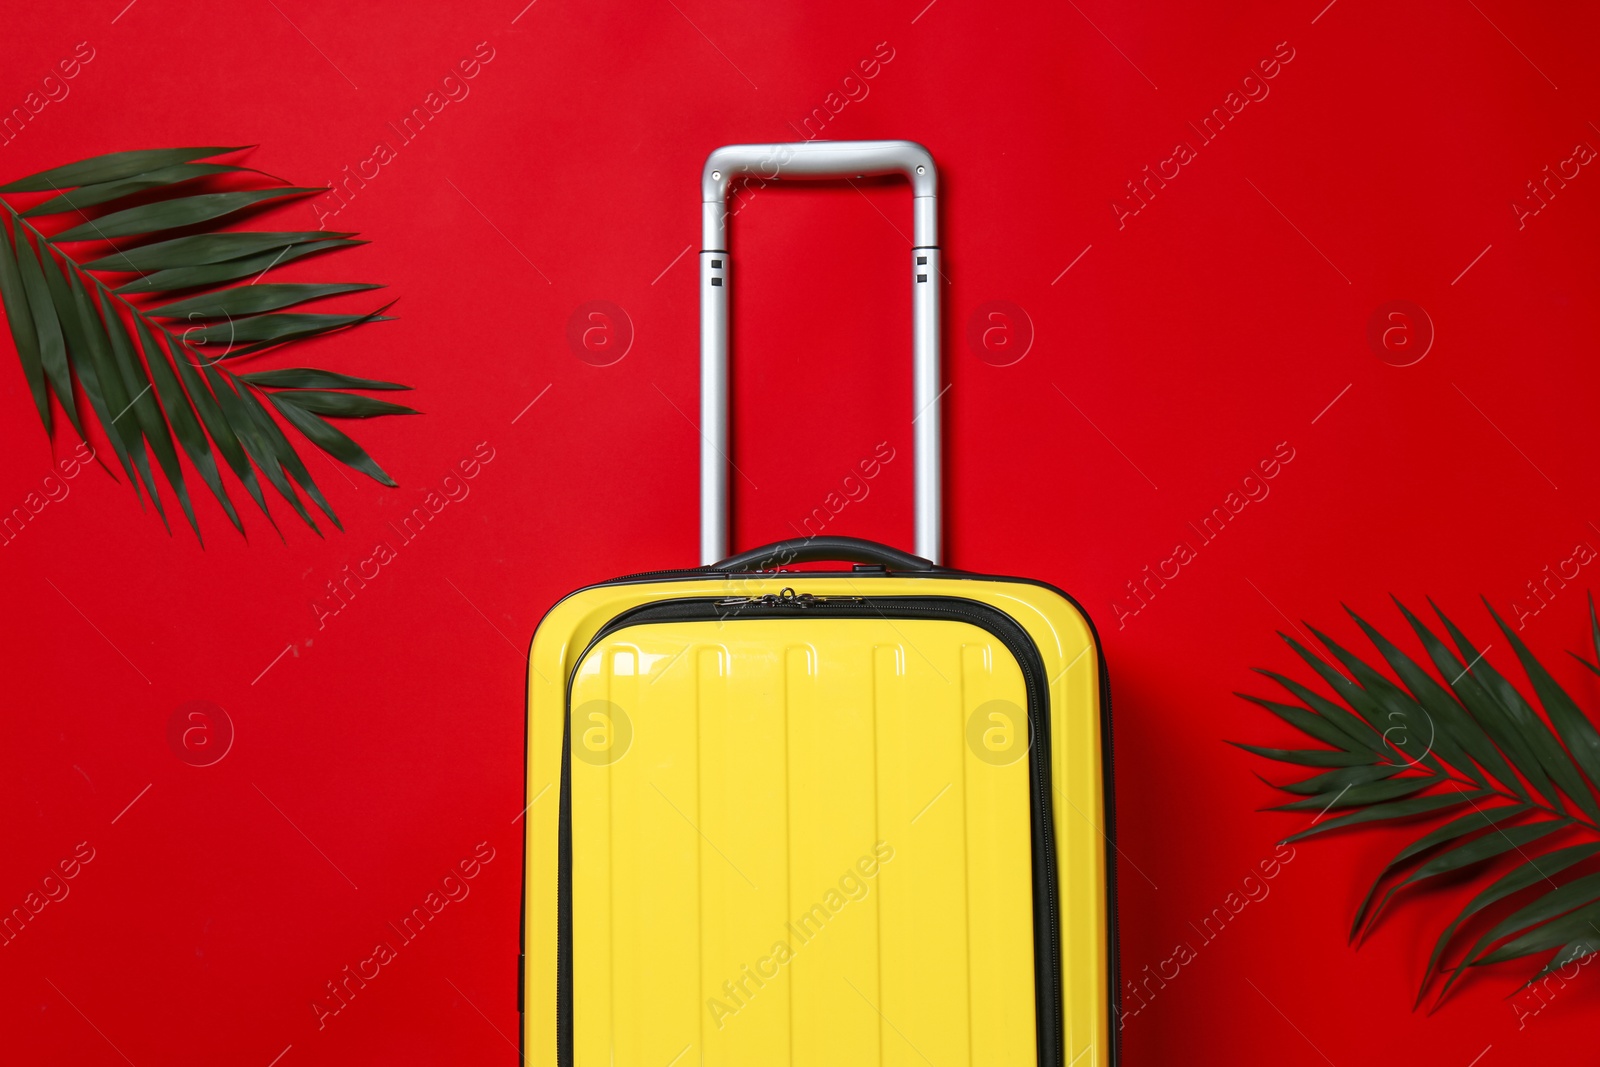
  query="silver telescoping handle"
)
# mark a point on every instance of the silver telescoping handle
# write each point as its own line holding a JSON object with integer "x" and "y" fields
{"x": 817, "y": 159}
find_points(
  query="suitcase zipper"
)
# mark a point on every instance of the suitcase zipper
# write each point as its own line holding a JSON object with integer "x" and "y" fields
{"x": 786, "y": 598}
{"x": 1050, "y": 1021}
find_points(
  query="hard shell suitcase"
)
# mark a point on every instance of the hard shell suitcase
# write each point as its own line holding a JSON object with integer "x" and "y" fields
{"x": 841, "y": 818}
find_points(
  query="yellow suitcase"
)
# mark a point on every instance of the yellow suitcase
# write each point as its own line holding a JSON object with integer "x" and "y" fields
{"x": 856, "y": 817}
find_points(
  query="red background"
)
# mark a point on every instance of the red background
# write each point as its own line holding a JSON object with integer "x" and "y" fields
{"x": 374, "y": 753}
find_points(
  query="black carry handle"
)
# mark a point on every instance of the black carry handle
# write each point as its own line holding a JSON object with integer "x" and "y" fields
{"x": 811, "y": 549}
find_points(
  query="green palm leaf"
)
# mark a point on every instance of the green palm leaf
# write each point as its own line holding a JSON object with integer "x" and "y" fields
{"x": 204, "y": 275}
{"x": 128, "y": 343}
{"x": 1419, "y": 745}
{"x": 1526, "y": 722}
{"x": 1477, "y": 819}
{"x": 1448, "y": 716}
{"x": 1571, "y": 952}
{"x": 1485, "y": 710}
{"x": 1410, "y": 734}
{"x": 23, "y": 332}
{"x": 1353, "y": 725}
{"x": 87, "y": 196}
{"x": 166, "y": 215}
{"x": 1579, "y": 734}
{"x": 327, "y": 438}
{"x": 1397, "y": 809}
{"x": 46, "y": 326}
{"x": 1335, "y": 781}
{"x": 1318, "y": 726}
{"x": 1308, "y": 757}
{"x": 204, "y": 249}
{"x": 1533, "y": 927}
{"x": 1530, "y": 873}
{"x": 110, "y": 168}
{"x": 1483, "y": 847}
{"x": 275, "y": 329}
{"x": 251, "y": 300}
{"x": 1357, "y": 796}
{"x": 306, "y": 378}
{"x": 94, "y": 362}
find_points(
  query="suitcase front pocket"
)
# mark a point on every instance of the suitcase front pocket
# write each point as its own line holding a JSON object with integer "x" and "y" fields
{"x": 808, "y": 835}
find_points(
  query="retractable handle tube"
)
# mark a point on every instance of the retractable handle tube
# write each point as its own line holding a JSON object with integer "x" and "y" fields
{"x": 817, "y": 159}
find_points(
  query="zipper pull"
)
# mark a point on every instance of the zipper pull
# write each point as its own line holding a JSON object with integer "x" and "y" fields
{"x": 770, "y": 600}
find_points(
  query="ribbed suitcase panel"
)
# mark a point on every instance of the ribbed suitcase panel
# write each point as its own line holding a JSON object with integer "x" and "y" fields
{"x": 924, "y": 889}
{"x": 1001, "y": 1005}
{"x": 742, "y": 1017}
{"x": 798, "y": 857}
